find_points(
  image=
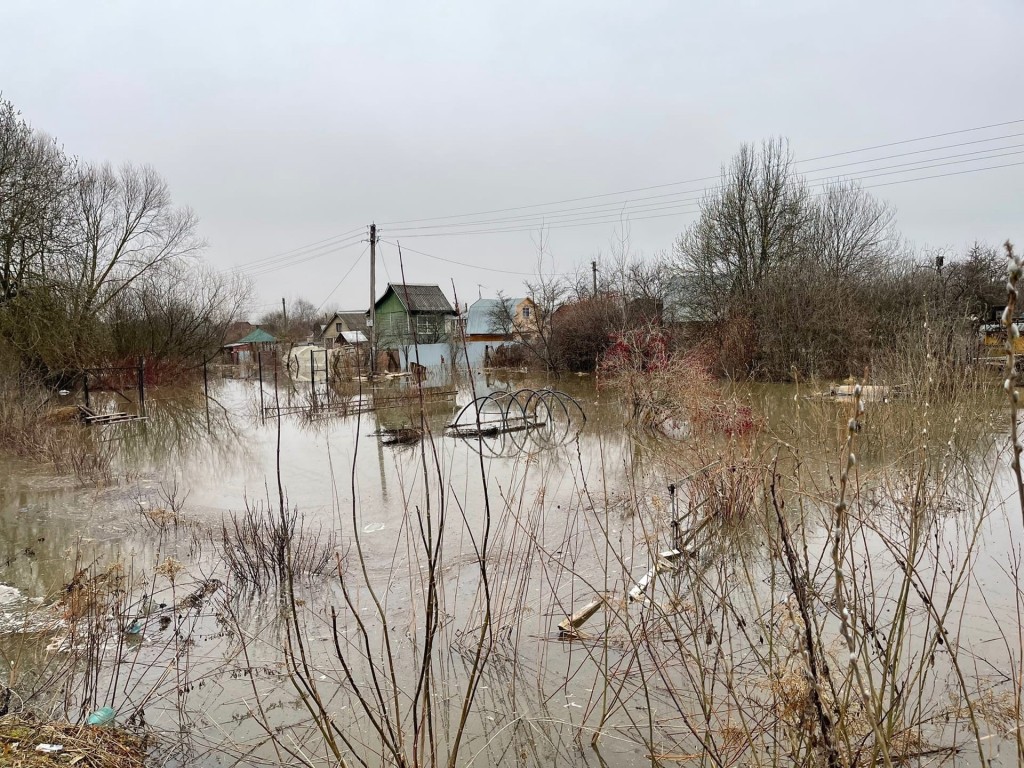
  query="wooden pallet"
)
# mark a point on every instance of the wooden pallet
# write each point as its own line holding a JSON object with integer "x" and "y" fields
{"x": 89, "y": 416}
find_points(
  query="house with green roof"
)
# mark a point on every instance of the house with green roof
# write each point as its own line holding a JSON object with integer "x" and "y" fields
{"x": 249, "y": 346}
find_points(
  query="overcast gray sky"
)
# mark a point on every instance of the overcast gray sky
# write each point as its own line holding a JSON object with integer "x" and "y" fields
{"x": 285, "y": 124}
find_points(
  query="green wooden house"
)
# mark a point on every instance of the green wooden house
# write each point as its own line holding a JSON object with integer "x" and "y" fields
{"x": 408, "y": 314}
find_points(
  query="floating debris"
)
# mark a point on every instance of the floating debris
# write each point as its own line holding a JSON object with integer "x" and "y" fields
{"x": 401, "y": 436}
{"x": 102, "y": 716}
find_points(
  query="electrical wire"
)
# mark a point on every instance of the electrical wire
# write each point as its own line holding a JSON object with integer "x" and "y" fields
{"x": 683, "y": 208}
{"x": 347, "y": 273}
{"x": 464, "y": 264}
{"x": 295, "y": 262}
{"x": 696, "y": 180}
{"x": 343, "y": 236}
{"x": 688, "y": 206}
{"x": 620, "y": 206}
{"x": 680, "y": 203}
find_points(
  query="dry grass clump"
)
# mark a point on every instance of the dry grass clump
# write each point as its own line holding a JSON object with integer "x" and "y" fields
{"x": 82, "y": 745}
{"x": 732, "y": 490}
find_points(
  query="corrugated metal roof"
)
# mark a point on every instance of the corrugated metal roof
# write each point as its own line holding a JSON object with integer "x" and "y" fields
{"x": 356, "y": 321}
{"x": 420, "y": 298}
{"x": 353, "y": 337}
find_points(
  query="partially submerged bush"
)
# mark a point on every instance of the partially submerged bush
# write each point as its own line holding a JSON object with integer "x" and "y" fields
{"x": 263, "y": 543}
{"x": 667, "y": 391}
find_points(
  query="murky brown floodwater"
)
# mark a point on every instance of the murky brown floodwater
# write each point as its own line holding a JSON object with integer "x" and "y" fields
{"x": 566, "y": 518}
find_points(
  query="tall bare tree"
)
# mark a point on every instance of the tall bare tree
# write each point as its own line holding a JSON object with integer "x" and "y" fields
{"x": 749, "y": 226}
{"x": 127, "y": 227}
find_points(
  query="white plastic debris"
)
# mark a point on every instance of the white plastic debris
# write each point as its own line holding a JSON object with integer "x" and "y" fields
{"x": 50, "y": 748}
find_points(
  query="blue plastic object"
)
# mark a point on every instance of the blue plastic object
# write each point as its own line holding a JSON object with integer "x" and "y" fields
{"x": 102, "y": 716}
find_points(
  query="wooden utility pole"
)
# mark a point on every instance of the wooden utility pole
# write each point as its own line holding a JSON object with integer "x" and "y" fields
{"x": 284, "y": 312}
{"x": 593, "y": 266}
{"x": 372, "y": 322}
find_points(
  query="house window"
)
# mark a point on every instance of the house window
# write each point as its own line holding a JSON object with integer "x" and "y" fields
{"x": 338, "y": 328}
{"x": 526, "y": 313}
{"x": 425, "y": 326}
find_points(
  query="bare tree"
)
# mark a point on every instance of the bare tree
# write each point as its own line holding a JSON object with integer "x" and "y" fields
{"x": 749, "y": 226}
{"x": 852, "y": 234}
{"x": 303, "y": 317}
{"x": 128, "y": 227}
{"x": 502, "y": 316}
{"x": 975, "y": 283}
{"x": 176, "y": 314}
{"x": 547, "y": 292}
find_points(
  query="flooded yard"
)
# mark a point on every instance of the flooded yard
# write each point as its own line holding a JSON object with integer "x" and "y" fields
{"x": 257, "y": 582}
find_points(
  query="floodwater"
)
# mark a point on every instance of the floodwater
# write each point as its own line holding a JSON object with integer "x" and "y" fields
{"x": 561, "y": 515}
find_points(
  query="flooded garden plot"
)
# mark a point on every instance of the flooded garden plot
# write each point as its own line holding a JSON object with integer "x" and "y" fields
{"x": 261, "y": 579}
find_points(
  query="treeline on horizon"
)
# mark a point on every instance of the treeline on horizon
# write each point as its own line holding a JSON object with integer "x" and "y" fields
{"x": 773, "y": 280}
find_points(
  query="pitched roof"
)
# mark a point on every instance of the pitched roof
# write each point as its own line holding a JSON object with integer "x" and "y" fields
{"x": 419, "y": 298}
{"x": 353, "y": 321}
{"x": 258, "y": 336}
{"x": 356, "y": 321}
{"x": 480, "y": 318}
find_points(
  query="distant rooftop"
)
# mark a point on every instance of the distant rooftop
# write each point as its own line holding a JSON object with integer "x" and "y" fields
{"x": 419, "y": 298}
{"x": 480, "y": 317}
{"x": 258, "y": 336}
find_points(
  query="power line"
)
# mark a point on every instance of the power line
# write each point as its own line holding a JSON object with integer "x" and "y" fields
{"x": 695, "y": 180}
{"x": 343, "y": 236}
{"x": 462, "y": 263}
{"x": 685, "y": 207}
{"x": 620, "y": 207}
{"x": 295, "y": 262}
{"x": 349, "y": 272}
{"x": 666, "y": 215}
{"x": 605, "y": 219}
{"x": 298, "y": 258}
{"x": 911, "y": 141}
{"x": 681, "y": 202}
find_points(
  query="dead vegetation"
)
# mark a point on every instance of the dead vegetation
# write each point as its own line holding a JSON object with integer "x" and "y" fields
{"x": 671, "y": 392}
{"x": 32, "y": 427}
{"x": 261, "y": 544}
{"x": 28, "y": 742}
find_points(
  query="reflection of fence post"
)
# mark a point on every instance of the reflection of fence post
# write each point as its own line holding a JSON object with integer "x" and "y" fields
{"x": 85, "y": 387}
{"x": 206, "y": 391}
{"x": 312, "y": 377}
{"x": 259, "y": 368}
{"x": 142, "y": 385}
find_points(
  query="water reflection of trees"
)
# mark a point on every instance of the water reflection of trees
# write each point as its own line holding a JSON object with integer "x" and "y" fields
{"x": 185, "y": 429}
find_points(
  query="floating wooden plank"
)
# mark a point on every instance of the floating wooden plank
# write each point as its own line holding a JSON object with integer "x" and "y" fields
{"x": 569, "y": 627}
{"x": 90, "y": 417}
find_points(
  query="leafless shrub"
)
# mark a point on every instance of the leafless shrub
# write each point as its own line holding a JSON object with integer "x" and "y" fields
{"x": 262, "y": 543}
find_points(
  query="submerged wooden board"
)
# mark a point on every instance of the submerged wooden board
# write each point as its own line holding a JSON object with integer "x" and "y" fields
{"x": 90, "y": 417}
